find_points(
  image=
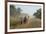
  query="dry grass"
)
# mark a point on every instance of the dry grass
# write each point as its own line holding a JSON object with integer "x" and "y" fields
{"x": 34, "y": 23}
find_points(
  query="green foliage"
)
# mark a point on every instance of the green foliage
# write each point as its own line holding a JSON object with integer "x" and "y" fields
{"x": 38, "y": 13}
{"x": 18, "y": 10}
{"x": 12, "y": 9}
{"x": 14, "y": 13}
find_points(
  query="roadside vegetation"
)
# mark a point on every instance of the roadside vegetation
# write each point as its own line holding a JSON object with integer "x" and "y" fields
{"x": 15, "y": 22}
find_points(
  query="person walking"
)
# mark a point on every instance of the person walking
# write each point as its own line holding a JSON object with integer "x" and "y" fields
{"x": 25, "y": 19}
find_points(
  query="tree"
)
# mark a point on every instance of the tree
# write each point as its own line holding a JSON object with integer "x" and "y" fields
{"x": 19, "y": 10}
{"x": 12, "y": 10}
{"x": 38, "y": 13}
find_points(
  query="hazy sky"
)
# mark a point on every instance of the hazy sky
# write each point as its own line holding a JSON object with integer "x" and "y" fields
{"x": 29, "y": 9}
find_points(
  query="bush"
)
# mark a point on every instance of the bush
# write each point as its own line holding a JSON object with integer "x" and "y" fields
{"x": 14, "y": 23}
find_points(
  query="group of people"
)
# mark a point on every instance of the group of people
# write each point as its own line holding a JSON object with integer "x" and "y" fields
{"x": 24, "y": 20}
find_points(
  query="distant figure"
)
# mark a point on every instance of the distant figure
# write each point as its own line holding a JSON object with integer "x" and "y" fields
{"x": 29, "y": 20}
{"x": 21, "y": 20}
{"x": 25, "y": 19}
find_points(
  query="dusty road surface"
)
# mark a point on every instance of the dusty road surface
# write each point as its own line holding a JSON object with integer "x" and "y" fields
{"x": 31, "y": 23}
